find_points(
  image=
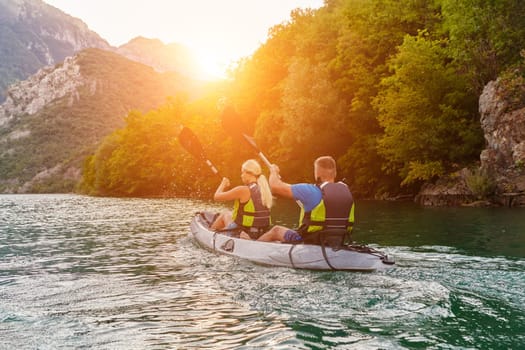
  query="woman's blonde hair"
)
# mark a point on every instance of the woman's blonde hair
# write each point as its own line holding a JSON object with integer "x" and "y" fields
{"x": 253, "y": 167}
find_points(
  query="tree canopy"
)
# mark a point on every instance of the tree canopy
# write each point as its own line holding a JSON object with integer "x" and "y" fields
{"x": 389, "y": 88}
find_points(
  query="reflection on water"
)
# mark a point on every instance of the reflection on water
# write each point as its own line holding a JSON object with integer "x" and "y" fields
{"x": 474, "y": 231}
{"x": 80, "y": 272}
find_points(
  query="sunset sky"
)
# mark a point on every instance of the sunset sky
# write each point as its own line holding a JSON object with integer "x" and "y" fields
{"x": 219, "y": 32}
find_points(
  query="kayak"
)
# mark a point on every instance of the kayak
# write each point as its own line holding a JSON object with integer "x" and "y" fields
{"x": 299, "y": 256}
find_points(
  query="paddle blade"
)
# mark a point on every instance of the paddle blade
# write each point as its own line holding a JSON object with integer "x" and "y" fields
{"x": 191, "y": 143}
{"x": 233, "y": 124}
{"x": 238, "y": 129}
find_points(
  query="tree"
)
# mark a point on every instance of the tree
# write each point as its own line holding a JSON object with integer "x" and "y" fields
{"x": 369, "y": 33}
{"x": 486, "y": 36}
{"x": 425, "y": 112}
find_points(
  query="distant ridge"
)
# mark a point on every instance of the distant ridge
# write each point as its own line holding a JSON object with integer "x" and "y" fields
{"x": 34, "y": 34}
{"x": 63, "y": 88}
{"x": 53, "y": 120}
{"x": 162, "y": 57}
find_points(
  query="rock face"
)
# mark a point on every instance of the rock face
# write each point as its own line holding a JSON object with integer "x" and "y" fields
{"x": 504, "y": 131}
{"x": 52, "y": 121}
{"x": 447, "y": 191}
{"x": 502, "y": 161}
{"x": 504, "y": 156}
{"x": 34, "y": 34}
{"x": 77, "y": 90}
{"x": 48, "y": 84}
{"x": 26, "y": 103}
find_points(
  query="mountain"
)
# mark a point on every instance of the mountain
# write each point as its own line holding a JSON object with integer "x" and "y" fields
{"x": 50, "y": 122}
{"x": 162, "y": 57}
{"x": 34, "y": 34}
{"x": 63, "y": 89}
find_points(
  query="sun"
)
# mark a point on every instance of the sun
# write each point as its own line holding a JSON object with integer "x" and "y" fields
{"x": 210, "y": 65}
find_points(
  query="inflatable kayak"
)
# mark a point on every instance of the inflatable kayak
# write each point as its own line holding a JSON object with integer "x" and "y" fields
{"x": 299, "y": 256}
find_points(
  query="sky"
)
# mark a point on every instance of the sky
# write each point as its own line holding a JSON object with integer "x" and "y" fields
{"x": 219, "y": 32}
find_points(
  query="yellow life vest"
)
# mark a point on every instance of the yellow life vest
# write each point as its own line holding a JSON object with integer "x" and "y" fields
{"x": 252, "y": 214}
{"x": 334, "y": 211}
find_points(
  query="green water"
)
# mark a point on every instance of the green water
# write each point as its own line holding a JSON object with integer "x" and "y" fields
{"x": 81, "y": 272}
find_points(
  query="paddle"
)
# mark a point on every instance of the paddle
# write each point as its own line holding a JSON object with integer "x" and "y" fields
{"x": 238, "y": 130}
{"x": 191, "y": 143}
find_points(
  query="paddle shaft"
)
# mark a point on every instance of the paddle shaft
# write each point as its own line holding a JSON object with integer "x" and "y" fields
{"x": 252, "y": 143}
{"x": 265, "y": 160}
{"x": 192, "y": 144}
{"x": 232, "y": 123}
{"x": 212, "y": 167}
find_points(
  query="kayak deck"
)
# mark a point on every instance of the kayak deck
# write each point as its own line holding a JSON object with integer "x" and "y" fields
{"x": 299, "y": 256}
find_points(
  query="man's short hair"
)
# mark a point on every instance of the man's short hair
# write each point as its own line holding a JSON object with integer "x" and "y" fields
{"x": 325, "y": 162}
{"x": 327, "y": 165}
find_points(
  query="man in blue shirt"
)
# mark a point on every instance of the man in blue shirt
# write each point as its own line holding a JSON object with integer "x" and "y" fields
{"x": 309, "y": 197}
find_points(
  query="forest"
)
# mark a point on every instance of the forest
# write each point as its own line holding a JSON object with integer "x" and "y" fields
{"x": 389, "y": 88}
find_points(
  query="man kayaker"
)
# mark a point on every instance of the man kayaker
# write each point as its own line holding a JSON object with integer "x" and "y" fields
{"x": 253, "y": 200}
{"x": 325, "y": 205}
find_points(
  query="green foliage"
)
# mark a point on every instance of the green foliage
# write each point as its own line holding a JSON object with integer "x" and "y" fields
{"x": 69, "y": 129}
{"x": 327, "y": 66}
{"x": 381, "y": 85}
{"x": 361, "y": 166}
{"x": 136, "y": 160}
{"x": 512, "y": 83}
{"x": 485, "y": 36}
{"x": 418, "y": 171}
{"x": 390, "y": 88}
{"x": 424, "y": 111}
{"x": 481, "y": 184}
{"x": 311, "y": 126}
{"x": 144, "y": 158}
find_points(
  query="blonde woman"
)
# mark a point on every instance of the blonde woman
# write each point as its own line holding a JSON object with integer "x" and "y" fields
{"x": 253, "y": 200}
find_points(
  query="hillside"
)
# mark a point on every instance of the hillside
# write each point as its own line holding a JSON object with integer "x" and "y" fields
{"x": 34, "y": 34}
{"x": 50, "y": 122}
{"x": 162, "y": 57}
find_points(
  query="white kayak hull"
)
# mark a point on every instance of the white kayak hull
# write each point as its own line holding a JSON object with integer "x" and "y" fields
{"x": 299, "y": 256}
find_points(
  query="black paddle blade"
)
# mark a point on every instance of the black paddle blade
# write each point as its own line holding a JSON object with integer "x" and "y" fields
{"x": 237, "y": 128}
{"x": 233, "y": 124}
{"x": 191, "y": 143}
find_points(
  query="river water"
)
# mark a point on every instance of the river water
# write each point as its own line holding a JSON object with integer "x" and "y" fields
{"x": 105, "y": 273}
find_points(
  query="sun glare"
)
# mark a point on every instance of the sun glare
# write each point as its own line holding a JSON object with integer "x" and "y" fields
{"x": 210, "y": 65}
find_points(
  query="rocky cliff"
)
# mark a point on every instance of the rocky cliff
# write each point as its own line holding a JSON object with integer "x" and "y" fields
{"x": 504, "y": 126}
{"x": 60, "y": 99}
{"x": 50, "y": 122}
{"x": 34, "y": 34}
{"x": 500, "y": 177}
{"x": 30, "y": 96}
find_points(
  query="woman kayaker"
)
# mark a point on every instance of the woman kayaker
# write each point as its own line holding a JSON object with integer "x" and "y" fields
{"x": 253, "y": 200}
